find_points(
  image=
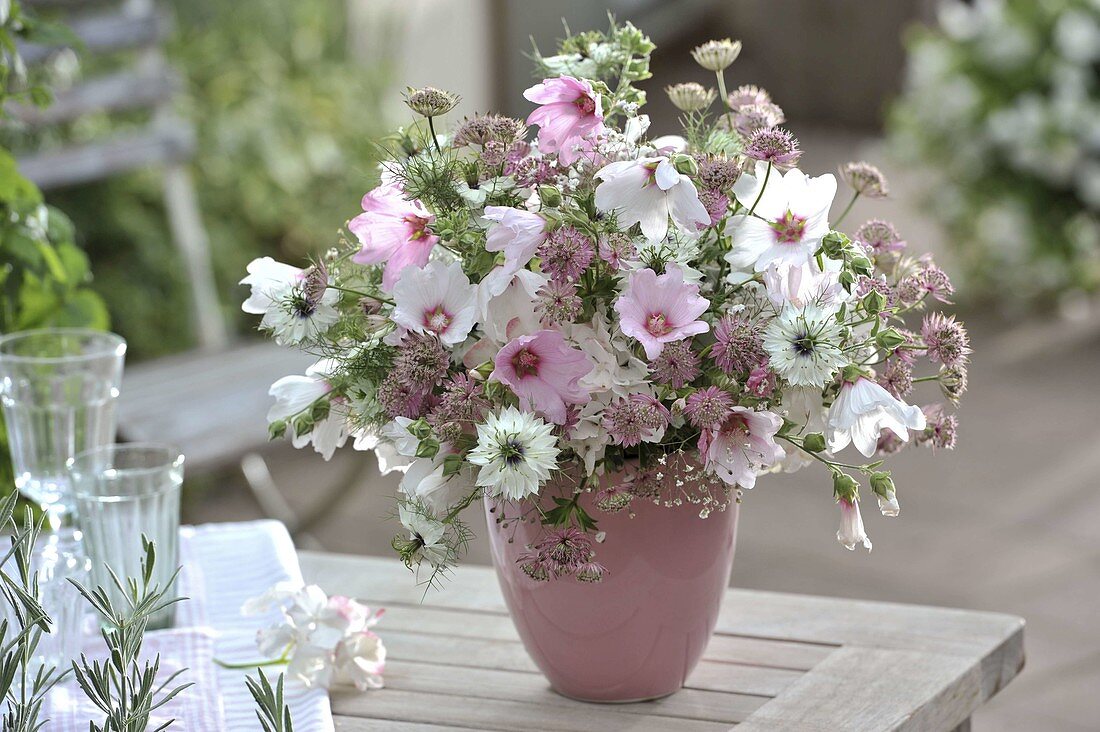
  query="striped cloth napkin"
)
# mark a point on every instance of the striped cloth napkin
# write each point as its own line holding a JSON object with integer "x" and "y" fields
{"x": 224, "y": 565}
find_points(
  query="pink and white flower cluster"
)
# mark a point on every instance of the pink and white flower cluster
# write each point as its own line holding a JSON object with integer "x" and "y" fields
{"x": 607, "y": 299}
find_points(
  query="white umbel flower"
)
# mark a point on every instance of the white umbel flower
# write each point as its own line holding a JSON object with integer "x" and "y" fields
{"x": 862, "y": 410}
{"x": 516, "y": 452}
{"x": 804, "y": 345}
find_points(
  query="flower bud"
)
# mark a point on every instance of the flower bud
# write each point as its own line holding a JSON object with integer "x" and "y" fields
{"x": 276, "y": 429}
{"x": 428, "y": 448}
{"x": 873, "y": 302}
{"x": 845, "y": 487}
{"x": 834, "y": 244}
{"x": 814, "y": 442}
{"x": 717, "y": 55}
{"x": 550, "y": 196}
{"x": 452, "y": 464}
{"x": 890, "y": 339}
{"x": 685, "y": 164}
{"x": 883, "y": 486}
{"x": 861, "y": 265}
{"x": 420, "y": 429}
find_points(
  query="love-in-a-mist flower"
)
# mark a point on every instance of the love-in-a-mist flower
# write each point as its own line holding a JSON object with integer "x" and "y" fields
{"x": 741, "y": 446}
{"x": 544, "y": 372}
{"x": 516, "y": 232}
{"x": 791, "y": 217}
{"x": 862, "y": 410}
{"x": 516, "y": 452}
{"x": 649, "y": 191}
{"x": 291, "y": 310}
{"x": 851, "y": 532}
{"x": 438, "y": 300}
{"x": 570, "y": 111}
{"x": 392, "y": 230}
{"x": 803, "y": 345}
{"x": 426, "y": 533}
{"x": 658, "y": 309}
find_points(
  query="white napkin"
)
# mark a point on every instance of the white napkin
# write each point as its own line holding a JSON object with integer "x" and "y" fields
{"x": 223, "y": 566}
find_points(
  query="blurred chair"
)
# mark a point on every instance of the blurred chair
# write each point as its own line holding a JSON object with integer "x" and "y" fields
{"x": 211, "y": 403}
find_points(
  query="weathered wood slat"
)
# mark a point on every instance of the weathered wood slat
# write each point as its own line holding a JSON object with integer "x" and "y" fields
{"x": 481, "y": 683}
{"x": 494, "y": 714}
{"x": 159, "y": 145}
{"x": 361, "y": 724}
{"x": 107, "y": 32}
{"x": 119, "y": 92}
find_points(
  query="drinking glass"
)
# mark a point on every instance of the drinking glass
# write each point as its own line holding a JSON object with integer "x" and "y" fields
{"x": 58, "y": 558}
{"x": 58, "y": 388}
{"x": 123, "y": 492}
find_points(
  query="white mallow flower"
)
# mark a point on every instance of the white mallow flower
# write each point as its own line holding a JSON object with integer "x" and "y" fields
{"x": 288, "y": 312}
{"x": 516, "y": 451}
{"x": 648, "y": 191}
{"x": 428, "y": 532}
{"x": 506, "y": 303}
{"x": 789, "y": 221}
{"x": 851, "y": 532}
{"x": 295, "y": 394}
{"x": 804, "y": 284}
{"x": 437, "y": 299}
{"x": 395, "y": 447}
{"x": 325, "y": 640}
{"x": 425, "y": 482}
{"x": 804, "y": 407}
{"x": 862, "y": 410}
{"x": 803, "y": 345}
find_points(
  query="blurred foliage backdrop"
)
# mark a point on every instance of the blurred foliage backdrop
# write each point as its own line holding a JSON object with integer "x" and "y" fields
{"x": 287, "y": 128}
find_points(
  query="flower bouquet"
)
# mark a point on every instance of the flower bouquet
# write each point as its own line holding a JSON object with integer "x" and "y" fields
{"x": 605, "y": 337}
{"x": 1003, "y": 101}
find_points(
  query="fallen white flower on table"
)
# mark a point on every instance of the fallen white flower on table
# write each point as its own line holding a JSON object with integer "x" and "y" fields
{"x": 324, "y": 640}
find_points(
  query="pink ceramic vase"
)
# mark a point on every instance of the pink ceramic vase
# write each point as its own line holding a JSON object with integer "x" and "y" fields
{"x": 639, "y": 632}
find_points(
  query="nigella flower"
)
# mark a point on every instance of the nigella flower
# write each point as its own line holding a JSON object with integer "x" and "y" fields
{"x": 658, "y": 309}
{"x": 738, "y": 347}
{"x": 880, "y": 236}
{"x": 615, "y": 248}
{"x": 707, "y": 408}
{"x": 426, "y": 542}
{"x": 773, "y": 145}
{"x": 293, "y": 306}
{"x": 565, "y": 253}
{"x": 559, "y": 303}
{"x": 635, "y": 419}
{"x": 862, "y": 411}
{"x": 394, "y": 231}
{"x": 676, "y": 366}
{"x": 865, "y": 179}
{"x": 647, "y": 191}
{"x": 941, "y": 429}
{"x": 437, "y": 299}
{"x": 516, "y": 452}
{"x": 792, "y": 216}
{"x": 945, "y": 339}
{"x": 543, "y": 371}
{"x": 741, "y": 446}
{"x": 803, "y": 345}
{"x": 851, "y": 532}
{"x": 570, "y": 112}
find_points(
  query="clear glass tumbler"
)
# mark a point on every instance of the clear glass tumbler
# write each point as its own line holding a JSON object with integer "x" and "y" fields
{"x": 58, "y": 388}
{"x": 122, "y": 492}
{"x": 58, "y": 558}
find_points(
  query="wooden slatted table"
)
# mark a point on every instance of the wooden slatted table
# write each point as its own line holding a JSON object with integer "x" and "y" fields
{"x": 777, "y": 662}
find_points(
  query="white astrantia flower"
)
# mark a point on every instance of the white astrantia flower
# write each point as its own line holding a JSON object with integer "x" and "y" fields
{"x": 325, "y": 640}
{"x": 790, "y": 218}
{"x": 288, "y": 312}
{"x": 516, "y": 451}
{"x": 437, "y": 299}
{"x": 428, "y": 532}
{"x": 648, "y": 191}
{"x": 862, "y": 410}
{"x": 804, "y": 345}
{"x": 851, "y": 532}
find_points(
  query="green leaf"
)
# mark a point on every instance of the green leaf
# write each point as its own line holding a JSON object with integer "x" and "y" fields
{"x": 83, "y": 309}
{"x": 14, "y": 188}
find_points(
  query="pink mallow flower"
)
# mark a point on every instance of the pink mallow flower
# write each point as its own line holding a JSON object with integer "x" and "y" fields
{"x": 438, "y": 300}
{"x": 742, "y": 445}
{"x": 392, "y": 229}
{"x": 647, "y": 192}
{"x": 544, "y": 372}
{"x": 658, "y": 309}
{"x": 570, "y": 112}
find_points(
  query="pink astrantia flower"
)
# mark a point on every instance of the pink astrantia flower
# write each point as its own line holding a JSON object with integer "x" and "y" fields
{"x": 543, "y": 371}
{"x": 570, "y": 112}
{"x": 438, "y": 299}
{"x": 658, "y": 309}
{"x": 791, "y": 217}
{"x": 393, "y": 230}
{"x": 648, "y": 191}
{"x": 862, "y": 410}
{"x": 742, "y": 445}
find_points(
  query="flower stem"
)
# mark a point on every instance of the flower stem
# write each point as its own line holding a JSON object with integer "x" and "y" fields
{"x": 435, "y": 140}
{"x": 360, "y": 293}
{"x": 760, "y": 195}
{"x": 847, "y": 209}
{"x": 281, "y": 661}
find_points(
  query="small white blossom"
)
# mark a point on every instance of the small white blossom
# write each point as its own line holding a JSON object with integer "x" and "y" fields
{"x": 516, "y": 451}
